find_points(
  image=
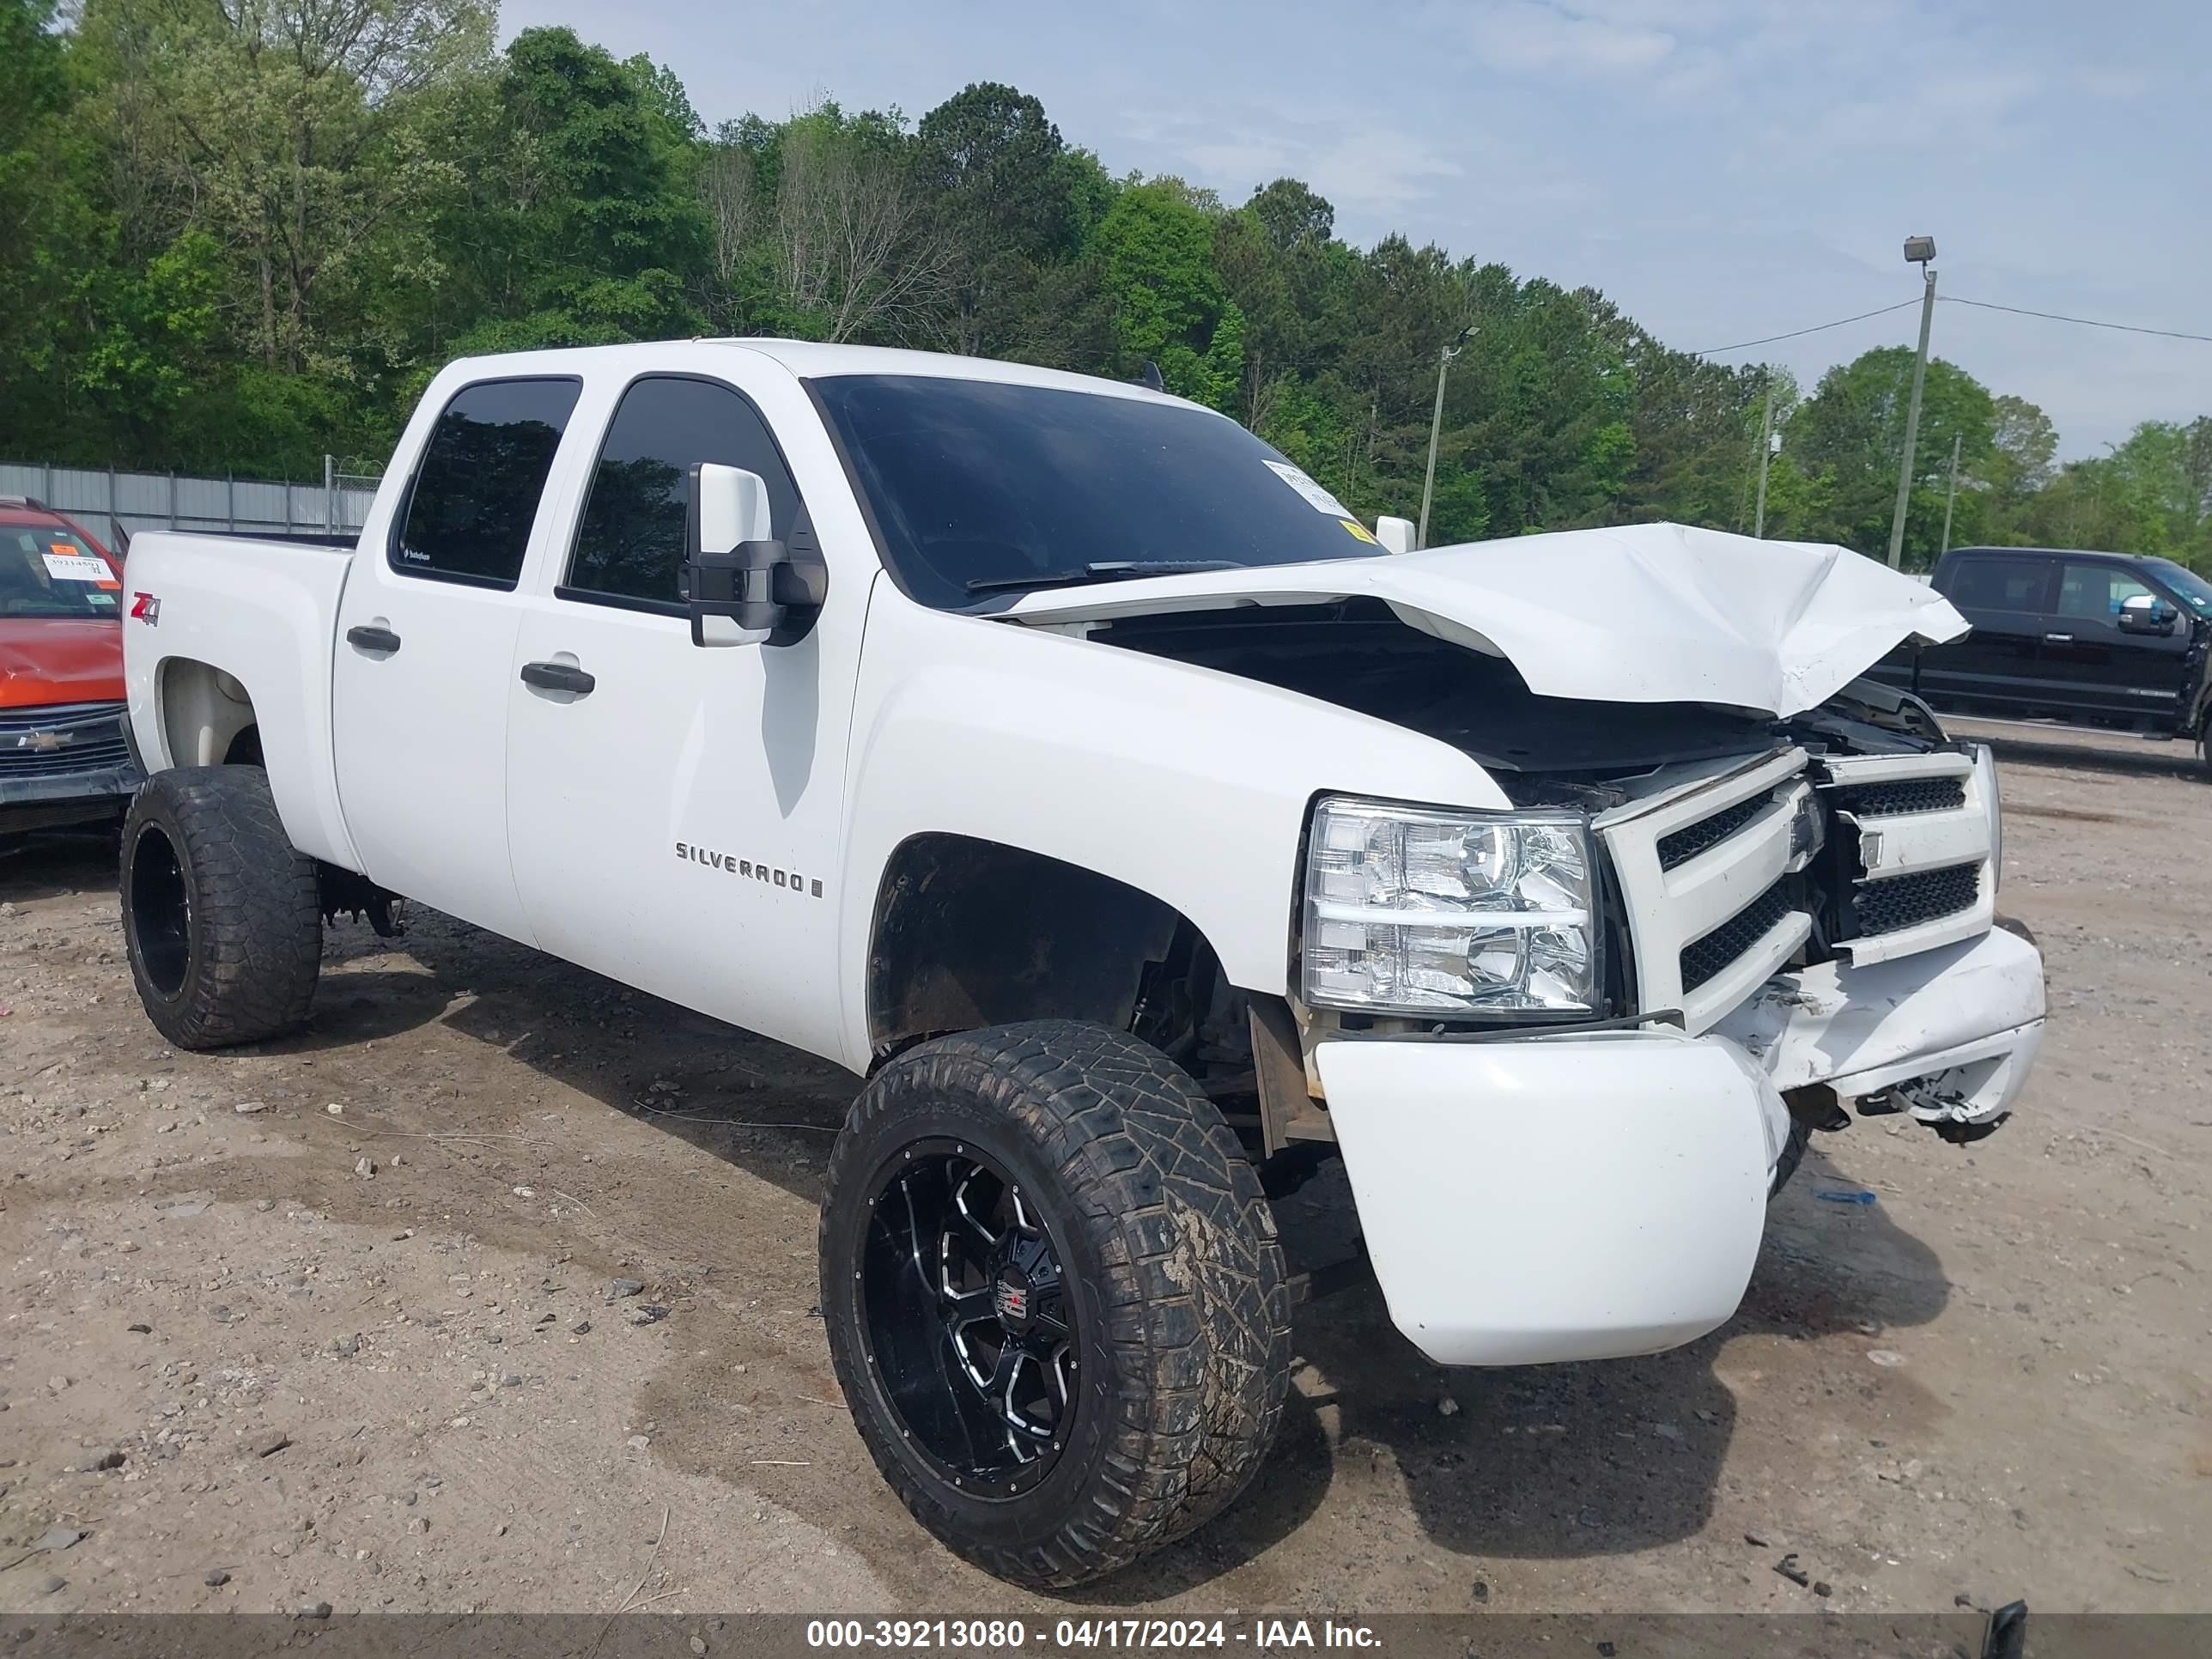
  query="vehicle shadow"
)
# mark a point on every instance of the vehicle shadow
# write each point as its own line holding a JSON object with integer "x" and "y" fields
{"x": 744, "y": 1099}
{"x": 75, "y": 862}
{"x": 1574, "y": 1460}
{"x": 1559, "y": 1461}
{"x": 753, "y": 1103}
{"x": 2180, "y": 762}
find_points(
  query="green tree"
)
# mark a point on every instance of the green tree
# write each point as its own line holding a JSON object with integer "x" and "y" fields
{"x": 1000, "y": 178}
{"x": 244, "y": 233}
{"x": 1851, "y": 433}
{"x": 1155, "y": 253}
{"x": 585, "y": 222}
{"x": 2152, "y": 494}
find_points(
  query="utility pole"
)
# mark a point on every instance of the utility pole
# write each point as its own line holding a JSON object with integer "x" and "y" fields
{"x": 1765, "y": 456}
{"x": 1918, "y": 250}
{"x": 1435, "y": 431}
{"x": 1951, "y": 495}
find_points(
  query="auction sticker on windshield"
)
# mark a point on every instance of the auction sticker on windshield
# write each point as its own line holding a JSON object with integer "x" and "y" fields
{"x": 1317, "y": 498}
{"x": 79, "y": 568}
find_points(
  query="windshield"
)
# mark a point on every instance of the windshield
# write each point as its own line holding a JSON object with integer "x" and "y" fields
{"x": 977, "y": 486}
{"x": 2186, "y": 583}
{"x": 45, "y": 571}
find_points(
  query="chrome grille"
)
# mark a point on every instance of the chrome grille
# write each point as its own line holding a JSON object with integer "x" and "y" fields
{"x": 1876, "y": 801}
{"x": 1919, "y": 827}
{"x": 1902, "y": 901}
{"x": 1701, "y": 868}
{"x": 61, "y": 738}
{"x": 1704, "y": 957}
{"x": 1682, "y": 845}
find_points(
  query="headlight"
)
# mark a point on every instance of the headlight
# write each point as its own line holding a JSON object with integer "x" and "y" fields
{"x": 1429, "y": 910}
{"x": 1985, "y": 764}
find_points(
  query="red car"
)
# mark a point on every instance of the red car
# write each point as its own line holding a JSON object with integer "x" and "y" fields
{"x": 64, "y": 757}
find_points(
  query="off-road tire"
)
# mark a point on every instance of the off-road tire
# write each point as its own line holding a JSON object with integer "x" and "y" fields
{"x": 240, "y": 966}
{"x": 1176, "y": 1278}
{"x": 1793, "y": 1154}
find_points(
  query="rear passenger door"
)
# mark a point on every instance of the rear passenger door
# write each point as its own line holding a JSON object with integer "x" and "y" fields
{"x": 2098, "y": 670}
{"x": 2005, "y": 596}
{"x": 424, "y": 657}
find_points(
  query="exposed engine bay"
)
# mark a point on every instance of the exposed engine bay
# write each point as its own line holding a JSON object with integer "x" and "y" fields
{"x": 1544, "y": 752}
{"x": 1859, "y": 830}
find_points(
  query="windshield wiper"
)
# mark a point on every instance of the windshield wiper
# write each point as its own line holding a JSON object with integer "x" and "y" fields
{"x": 1108, "y": 571}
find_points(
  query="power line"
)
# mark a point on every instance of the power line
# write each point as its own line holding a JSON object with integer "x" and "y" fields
{"x": 2054, "y": 317}
{"x": 1715, "y": 351}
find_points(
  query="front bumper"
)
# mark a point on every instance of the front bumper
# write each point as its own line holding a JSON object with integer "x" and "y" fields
{"x": 66, "y": 797}
{"x": 63, "y": 763}
{"x": 1593, "y": 1195}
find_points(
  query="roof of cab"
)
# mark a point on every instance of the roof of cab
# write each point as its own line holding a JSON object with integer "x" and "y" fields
{"x": 20, "y": 509}
{"x": 814, "y": 360}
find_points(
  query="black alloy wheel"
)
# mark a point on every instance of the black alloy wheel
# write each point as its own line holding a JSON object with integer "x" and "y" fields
{"x": 221, "y": 915}
{"x": 968, "y": 1316}
{"x": 1053, "y": 1297}
{"x": 158, "y": 908}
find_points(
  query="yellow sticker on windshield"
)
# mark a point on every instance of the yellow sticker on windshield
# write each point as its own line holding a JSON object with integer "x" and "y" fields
{"x": 1353, "y": 526}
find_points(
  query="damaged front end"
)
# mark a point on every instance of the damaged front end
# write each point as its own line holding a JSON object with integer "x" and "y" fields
{"x": 1792, "y": 914}
{"x": 1751, "y": 865}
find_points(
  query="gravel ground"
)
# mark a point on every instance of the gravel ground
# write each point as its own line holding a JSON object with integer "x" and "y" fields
{"x": 494, "y": 1291}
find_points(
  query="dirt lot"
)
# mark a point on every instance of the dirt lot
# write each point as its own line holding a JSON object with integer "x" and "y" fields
{"x": 1995, "y": 1380}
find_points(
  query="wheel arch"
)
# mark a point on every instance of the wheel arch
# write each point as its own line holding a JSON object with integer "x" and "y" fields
{"x": 969, "y": 932}
{"x": 204, "y": 712}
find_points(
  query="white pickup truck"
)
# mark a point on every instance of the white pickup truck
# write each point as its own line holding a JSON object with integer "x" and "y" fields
{"x": 1141, "y": 827}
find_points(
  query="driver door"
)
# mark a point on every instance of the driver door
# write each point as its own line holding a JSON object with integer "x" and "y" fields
{"x": 674, "y": 810}
{"x": 2104, "y": 670}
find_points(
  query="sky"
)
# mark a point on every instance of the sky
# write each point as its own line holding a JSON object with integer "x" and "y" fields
{"x": 1722, "y": 169}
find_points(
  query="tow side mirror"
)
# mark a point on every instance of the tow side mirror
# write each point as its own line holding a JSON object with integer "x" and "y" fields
{"x": 1396, "y": 535}
{"x": 2144, "y": 613}
{"x": 742, "y": 586}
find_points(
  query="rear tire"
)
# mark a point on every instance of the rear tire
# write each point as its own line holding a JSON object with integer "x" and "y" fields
{"x": 1124, "y": 1247}
{"x": 222, "y": 916}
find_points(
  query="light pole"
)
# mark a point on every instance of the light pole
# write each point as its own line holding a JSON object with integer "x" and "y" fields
{"x": 1918, "y": 250}
{"x": 1436, "y": 430}
{"x": 1765, "y": 456}
{"x": 1951, "y": 495}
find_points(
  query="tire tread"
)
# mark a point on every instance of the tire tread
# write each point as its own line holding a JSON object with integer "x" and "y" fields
{"x": 1196, "y": 1298}
{"x": 257, "y": 905}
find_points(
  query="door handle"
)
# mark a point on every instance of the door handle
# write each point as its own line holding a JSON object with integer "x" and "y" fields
{"x": 2059, "y": 639}
{"x": 374, "y": 639}
{"x": 558, "y": 677}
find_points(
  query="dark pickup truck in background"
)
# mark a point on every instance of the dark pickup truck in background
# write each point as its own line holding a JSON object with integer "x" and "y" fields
{"x": 2097, "y": 639}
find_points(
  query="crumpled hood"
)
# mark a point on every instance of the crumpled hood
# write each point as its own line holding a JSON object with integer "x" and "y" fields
{"x": 1644, "y": 613}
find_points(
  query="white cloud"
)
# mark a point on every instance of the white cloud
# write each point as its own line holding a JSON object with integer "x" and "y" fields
{"x": 1527, "y": 36}
{"x": 1366, "y": 168}
{"x": 1374, "y": 169}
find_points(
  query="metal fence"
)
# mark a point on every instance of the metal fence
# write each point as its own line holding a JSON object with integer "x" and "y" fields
{"x": 106, "y": 501}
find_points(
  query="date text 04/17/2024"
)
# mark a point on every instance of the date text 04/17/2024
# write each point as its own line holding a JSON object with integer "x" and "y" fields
{"x": 997, "y": 1635}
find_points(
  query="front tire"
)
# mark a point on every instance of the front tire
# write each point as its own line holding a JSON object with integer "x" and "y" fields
{"x": 1793, "y": 1154}
{"x": 1053, "y": 1296}
{"x": 222, "y": 916}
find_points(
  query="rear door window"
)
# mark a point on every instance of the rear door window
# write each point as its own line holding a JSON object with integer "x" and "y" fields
{"x": 2002, "y": 584}
{"x": 476, "y": 489}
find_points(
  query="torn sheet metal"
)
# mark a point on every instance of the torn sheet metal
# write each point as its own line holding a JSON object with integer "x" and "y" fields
{"x": 1644, "y": 613}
